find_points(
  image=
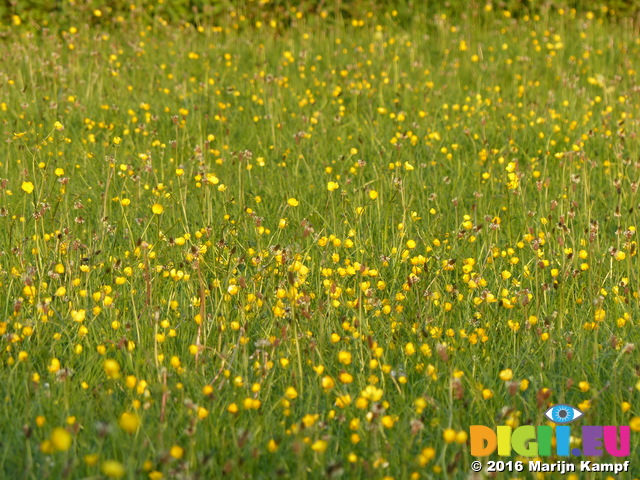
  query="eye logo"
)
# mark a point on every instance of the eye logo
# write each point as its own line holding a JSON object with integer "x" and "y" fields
{"x": 562, "y": 413}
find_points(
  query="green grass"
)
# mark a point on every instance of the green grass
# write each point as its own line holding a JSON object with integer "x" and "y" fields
{"x": 475, "y": 254}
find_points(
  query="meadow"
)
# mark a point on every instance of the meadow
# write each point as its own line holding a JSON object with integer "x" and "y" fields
{"x": 313, "y": 246}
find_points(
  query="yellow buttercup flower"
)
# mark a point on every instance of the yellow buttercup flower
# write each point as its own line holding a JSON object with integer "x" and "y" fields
{"x": 157, "y": 209}
{"x": 112, "y": 469}
{"x": 319, "y": 446}
{"x": 111, "y": 368}
{"x": 27, "y": 187}
{"x": 60, "y": 439}
{"x": 176, "y": 451}
{"x": 129, "y": 422}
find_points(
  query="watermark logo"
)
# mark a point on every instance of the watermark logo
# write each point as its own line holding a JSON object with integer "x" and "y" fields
{"x": 532, "y": 441}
